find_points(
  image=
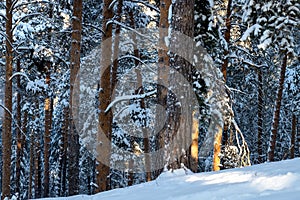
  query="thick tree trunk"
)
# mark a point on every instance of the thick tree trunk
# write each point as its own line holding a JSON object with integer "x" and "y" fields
{"x": 293, "y": 138}
{"x": 180, "y": 117}
{"x": 276, "y": 117}
{"x": 260, "y": 116}
{"x": 6, "y": 127}
{"x": 105, "y": 96}
{"x": 74, "y": 146}
{"x": 37, "y": 166}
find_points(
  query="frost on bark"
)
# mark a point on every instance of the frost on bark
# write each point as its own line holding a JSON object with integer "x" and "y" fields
{"x": 6, "y": 127}
{"x": 74, "y": 147}
{"x": 276, "y": 117}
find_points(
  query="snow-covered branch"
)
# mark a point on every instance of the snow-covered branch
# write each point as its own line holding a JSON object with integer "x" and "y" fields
{"x": 19, "y": 74}
{"x": 145, "y": 3}
{"x": 128, "y": 97}
{"x": 126, "y": 27}
{"x": 95, "y": 27}
{"x": 26, "y": 16}
{"x": 138, "y": 59}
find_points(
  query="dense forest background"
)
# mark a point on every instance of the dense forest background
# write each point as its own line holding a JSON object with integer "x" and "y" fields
{"x": 247, "y": 100}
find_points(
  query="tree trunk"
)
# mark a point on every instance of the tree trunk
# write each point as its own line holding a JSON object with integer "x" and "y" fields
{"x": 64, "y": 152}
{"x": 260, "y": 116}
{"x": 162, "y": 83}
{"x": 37, "y": 166}
{"x": 48, "y": 122}
{"x": 293, "y": 138}
{"x": 105, "y": 118}
{"x": 180, "y": 117}
{"x": 220, "y": 133}
{"x": 31, "y": 163}
{"x": 193, "y": 159}
{"x": 6, "y": 127}
{"x": 18, "y": 132}
{"x": 74, "y": 146}
{"x": 277, "y": 111}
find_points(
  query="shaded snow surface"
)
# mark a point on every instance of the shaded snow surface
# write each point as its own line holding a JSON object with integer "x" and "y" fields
{"x": 276, "y": 181}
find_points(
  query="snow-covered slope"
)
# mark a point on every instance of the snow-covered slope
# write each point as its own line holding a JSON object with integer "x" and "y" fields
{"x": 276, "y": 181}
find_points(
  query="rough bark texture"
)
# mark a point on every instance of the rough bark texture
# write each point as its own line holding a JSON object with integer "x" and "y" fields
{"x": 18, "y": 132}
{"x": 193, "y": 159}
{"x": 105, "y": 118}
{"x": 260, "y": 116}
{"x": 48, "y": 122}
{"x": 180, "y": 115}
{"x": 277, "y": 111}
{"x": 6, "y": 127}
{"x": 64, "y": 152}
{"x": 293, "y": 138}
{"x": 162, "y": 83}
{"x": 74, "y": 146}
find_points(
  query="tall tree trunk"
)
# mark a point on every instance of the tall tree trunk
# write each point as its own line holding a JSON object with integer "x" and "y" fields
{"x": 220, "y": 133}
{"x": 277, "y": 110}
{"x": 260, "y": 116}
{"x": 18, "y": 132}
{"x": 293, "y": 138}
{"x": 180, "y": 117}
{"x": 105, "y": 118}
{"x": 64, "y": 152}
{"x": 48, "y": 106}
{"x": 6, "y": 132}
{"x": 48, "y": 116}
{"x": 74, "y": 98}
{"x": 31, "y": 163}
{"x": 37, "y": 166}
{"x": 162, "y": 83}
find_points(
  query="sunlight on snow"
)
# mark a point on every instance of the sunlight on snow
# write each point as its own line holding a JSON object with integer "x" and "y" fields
{"x": 278, "y": 182}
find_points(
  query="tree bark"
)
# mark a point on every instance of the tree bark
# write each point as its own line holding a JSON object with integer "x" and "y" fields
{"x": 105, "y": 96}
{"x": 276, "y": 117}
{"x": 293, "y": 138}
{"x": 48, "y": 123}
{"x": 180, "y": 117}
{"x": 162, "y": 83}
{"x": 260, "y": 116}
{"x": 6, "y": 127}
{"x": 64, "y": 152}
{"x": 74, "y": 146}
{"x": 18, "y": 132}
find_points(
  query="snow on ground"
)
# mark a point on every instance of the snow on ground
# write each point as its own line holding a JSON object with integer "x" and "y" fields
{"x": 276, "y": 181}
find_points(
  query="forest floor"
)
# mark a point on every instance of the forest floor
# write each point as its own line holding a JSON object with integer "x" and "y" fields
{"x": 276, "y": 181}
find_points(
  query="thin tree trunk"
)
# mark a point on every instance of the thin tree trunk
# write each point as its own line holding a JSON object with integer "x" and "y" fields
{"x": 31, "y": 164}
{"x": 193, "y": 159}
{"x": 37, "y": 166}
{"x": 220, "y": 133}
{"x": 48, "y": 122}
{"x": 260, "y": 116}
{"x": 48, "y": 117}
{"x": 276, "y": 117}
{"x": 105, "y": 118}
{"x": 74, "y": 99}
{"x": 293, "y": 138}
{"x": 18, "y": 132}
{"x": 162, "y": 83}
{"x": 6, "y": 127}
{"x": 64, "y": 154}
